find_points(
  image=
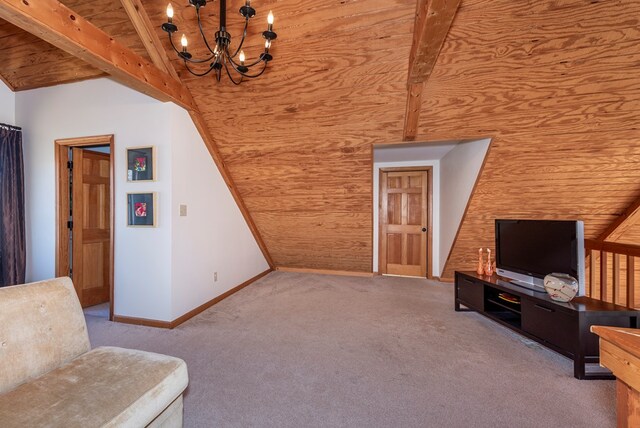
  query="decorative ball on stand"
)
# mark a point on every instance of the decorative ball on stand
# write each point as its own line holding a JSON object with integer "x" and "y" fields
{"x": 560, "y": 286}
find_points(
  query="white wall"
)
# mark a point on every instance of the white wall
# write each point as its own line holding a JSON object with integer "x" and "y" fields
{"x": 213, "y": 237}
{"x": 142, "y": 256}
{"x": 7, "y": 105}
{"x": 144, "y": 280}
{"x": 435, "y": 240}
{"x": 458, "y": 172}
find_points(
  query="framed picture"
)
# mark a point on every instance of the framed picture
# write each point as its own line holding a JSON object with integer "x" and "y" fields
{"x": 141, "y": 163}
{"x": 141, "y": 209}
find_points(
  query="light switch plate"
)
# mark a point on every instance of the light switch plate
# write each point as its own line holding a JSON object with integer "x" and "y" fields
{"x": 183, "y": 210}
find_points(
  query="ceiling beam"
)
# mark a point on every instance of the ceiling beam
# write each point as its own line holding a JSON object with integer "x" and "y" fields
{"x": 55, "y": 23}
{"x": 414, "y": 102}
{"x": 432, "y": 23}
{"x": 150, "y": 40}
{"x": 433, "y": 20}
{"x": 617, "y": 229}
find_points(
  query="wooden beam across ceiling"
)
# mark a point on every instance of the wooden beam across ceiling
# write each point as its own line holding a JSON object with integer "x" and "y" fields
{"x": 55, "y": 23}
{"x": 414, "y": 103}
{"x": 433, "y": 20}
{"x": 432, "y": 23}
{"x": 148, "y": 35}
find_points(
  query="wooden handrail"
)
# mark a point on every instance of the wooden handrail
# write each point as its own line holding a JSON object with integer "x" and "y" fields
{"x": 612, "y": 247}
{"x": 611, "y": 268}
{"x": 616, "y": 280}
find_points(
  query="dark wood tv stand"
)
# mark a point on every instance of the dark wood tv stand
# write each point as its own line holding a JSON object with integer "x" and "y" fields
{"x": 562, "y": 327}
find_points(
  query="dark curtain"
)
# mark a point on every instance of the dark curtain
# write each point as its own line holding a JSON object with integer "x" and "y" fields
{"x": 12, "y": 235}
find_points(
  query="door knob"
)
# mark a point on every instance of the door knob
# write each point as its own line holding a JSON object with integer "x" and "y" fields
{"x": 424, "y": 229}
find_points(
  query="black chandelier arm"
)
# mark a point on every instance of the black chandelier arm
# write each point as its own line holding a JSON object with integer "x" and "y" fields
{"x": 230, "y": 76}
{"x": 244, "y": 35}
{"x": 253, "y": 76}
{"x": 244, "y": 74}
{"x": 186, "y": 64}
{"x": 172, "y": 44}
{"x": 202, "y": 32}
{"x": 256, "y": 62}
{"x": 195, "y": 61}
{"x": 235, "y": 65}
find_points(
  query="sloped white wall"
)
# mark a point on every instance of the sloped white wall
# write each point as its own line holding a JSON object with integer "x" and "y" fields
{"x": 458, "y": 172}
{"x": 7, "y": 105}
{"x": 144, "y": 262}
{"x": 213, "y": 236}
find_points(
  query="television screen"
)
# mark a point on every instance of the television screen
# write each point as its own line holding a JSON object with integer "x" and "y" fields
{"x": 537, "y": 247}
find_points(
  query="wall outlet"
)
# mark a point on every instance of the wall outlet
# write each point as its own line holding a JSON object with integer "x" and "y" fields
{"x": 183, "y": 210}
{"x": 215, "y": 276}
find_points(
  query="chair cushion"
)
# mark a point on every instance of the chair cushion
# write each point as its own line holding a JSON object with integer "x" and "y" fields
{"x": 105, "y": 387}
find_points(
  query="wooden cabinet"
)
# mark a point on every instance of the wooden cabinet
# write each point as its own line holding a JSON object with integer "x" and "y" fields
{"x": 562, "y": 327}
{"x": 469, "y": 293}
{"x": 549, "y": 323}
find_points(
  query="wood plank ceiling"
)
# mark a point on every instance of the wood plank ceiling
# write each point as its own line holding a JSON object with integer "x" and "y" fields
{"x": 29, "y": 62}
{"x": 554, "y": 82}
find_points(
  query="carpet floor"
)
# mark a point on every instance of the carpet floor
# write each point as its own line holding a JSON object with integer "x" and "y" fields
{"x": 303, "y": 350}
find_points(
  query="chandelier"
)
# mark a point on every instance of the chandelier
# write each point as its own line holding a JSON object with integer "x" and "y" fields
{"x": 220, "y": 56}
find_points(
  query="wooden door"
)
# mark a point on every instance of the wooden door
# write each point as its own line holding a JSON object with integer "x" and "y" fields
{"x": 403, "y": 223}
{"x": 91, "y": 234}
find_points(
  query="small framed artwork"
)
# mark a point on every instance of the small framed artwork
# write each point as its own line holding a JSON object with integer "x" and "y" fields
{"x": 141, "y": 209}
{"x": 141, "y": 163}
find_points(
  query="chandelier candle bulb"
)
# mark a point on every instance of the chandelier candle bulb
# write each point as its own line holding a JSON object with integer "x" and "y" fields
{"x": 184, "y": 42}
{"x": 270, "y": 21}
{"x": 242, "y": 58}
{"x": 170, "y": 13}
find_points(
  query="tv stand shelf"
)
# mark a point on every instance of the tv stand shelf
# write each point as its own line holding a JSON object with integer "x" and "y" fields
{"x": 562, "y": 327}
{"x": 504, "y": 306}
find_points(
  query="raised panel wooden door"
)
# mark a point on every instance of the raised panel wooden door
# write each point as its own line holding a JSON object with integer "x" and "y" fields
{"x": 403, "y": 223}
{"x": 91, "y": 263}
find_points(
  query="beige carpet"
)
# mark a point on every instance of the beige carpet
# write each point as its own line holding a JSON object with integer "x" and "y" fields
{"x": 301, "y": 350}
{"x": 101, "y": 310}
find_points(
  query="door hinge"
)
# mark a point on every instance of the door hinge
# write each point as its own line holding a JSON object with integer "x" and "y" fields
{"x": 70, "y": 165}
{"x": 70, "y": 225}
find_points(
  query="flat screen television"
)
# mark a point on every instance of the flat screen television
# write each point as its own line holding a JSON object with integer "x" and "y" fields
{"x": 528, "y": 250}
